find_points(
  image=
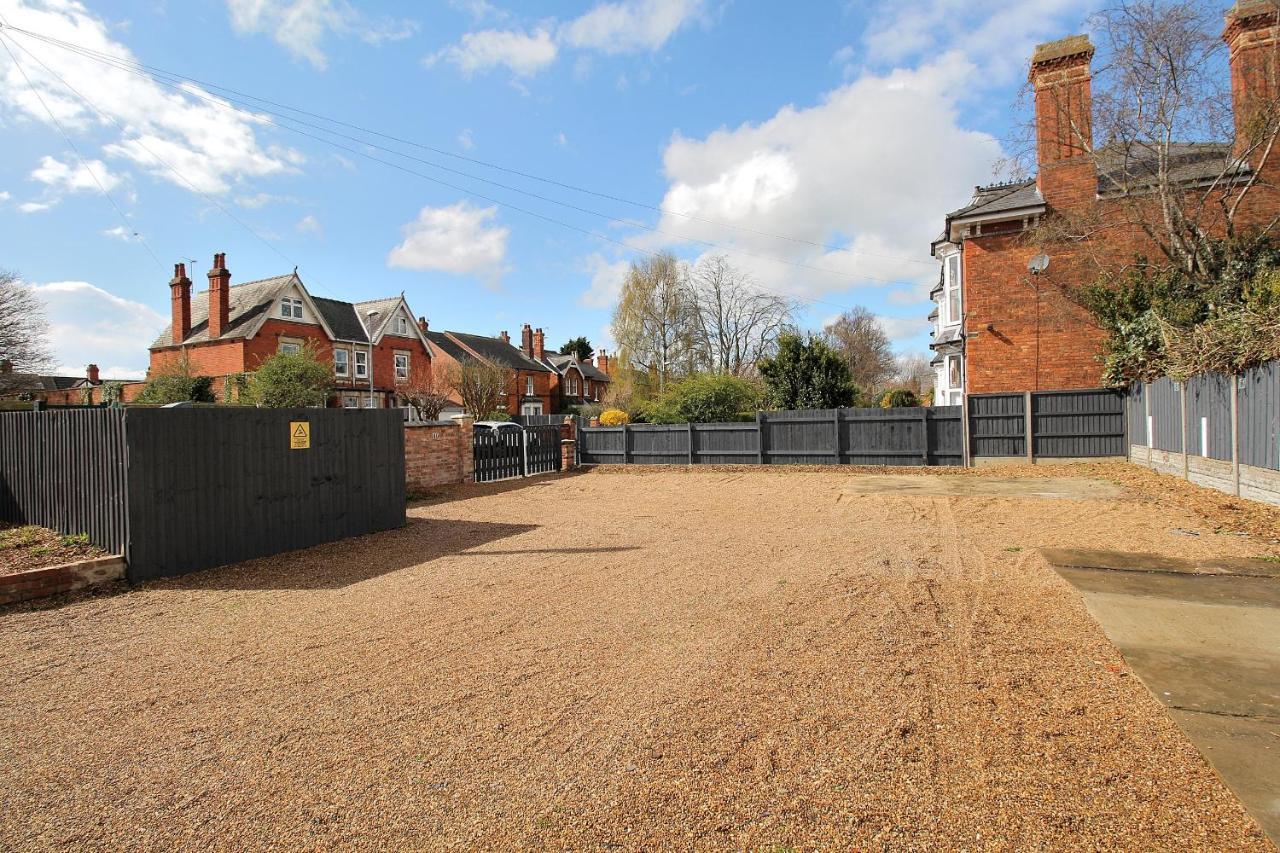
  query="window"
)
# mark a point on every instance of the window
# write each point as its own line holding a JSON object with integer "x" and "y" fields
{"x": 955, "y": 376}
{"x": 402, "y": 365}
{"x": 290, "y": 347}
{"x": 573, "y": 387}
{"x": 362, "y": 364}
{"x": 953, "y": 290}
{"x": 531, "y": 408}
{"x": 402, "y": 326}
{"x": 528, "y": 387}
{"x": 341, "y": 362}
{"x": 370, "y": 402}
{"x": 351, "y": 401}
{"x": 291, "y": 307}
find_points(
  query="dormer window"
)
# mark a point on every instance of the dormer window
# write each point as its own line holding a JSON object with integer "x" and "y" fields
{"x": 291, "y": 308}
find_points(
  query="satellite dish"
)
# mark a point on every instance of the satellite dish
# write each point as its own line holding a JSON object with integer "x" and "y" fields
{"x": 1038, "y": 264}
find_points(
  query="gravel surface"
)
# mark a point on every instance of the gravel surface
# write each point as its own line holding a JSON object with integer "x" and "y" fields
{"x": 713, "y": 659}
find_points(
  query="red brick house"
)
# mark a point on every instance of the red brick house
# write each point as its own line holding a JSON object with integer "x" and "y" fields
{"x": 375, "y": 347}
{"x": 999, "y": 325}
{"x": 60, "y": 390}
{"x": 575, "y": 382}
{"x": 529, "y": 391}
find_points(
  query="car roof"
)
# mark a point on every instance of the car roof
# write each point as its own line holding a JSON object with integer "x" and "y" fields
{"x": 496, "y": 424}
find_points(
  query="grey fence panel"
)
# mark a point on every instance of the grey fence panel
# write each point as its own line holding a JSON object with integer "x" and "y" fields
{"x": 1209, "y": 416}
{"x": 997, "y": 425}
{"x": 885, "y": 436}
{"x": 946, "y": 435}
{"x": 1084, "y": 423}
{"x": 214, "y": 486}
{"x": 659, "y": 444}
{"x": 66, "y": 470}
{"x": 726, "y": 444}
{"x": 801, "y": 437}
{"x": 601, "y": 445}
{"x": 1260, "y": 416}
{"x": 1165, "y": 404}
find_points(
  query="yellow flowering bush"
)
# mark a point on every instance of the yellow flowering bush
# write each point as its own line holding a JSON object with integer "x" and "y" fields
{"x": 614, "y": 417}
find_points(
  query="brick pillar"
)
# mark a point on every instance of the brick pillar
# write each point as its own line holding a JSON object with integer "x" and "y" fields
{"x": 568, "y": 454}
{"x": 466, "y": 454}
{"x": 569, "y": 429}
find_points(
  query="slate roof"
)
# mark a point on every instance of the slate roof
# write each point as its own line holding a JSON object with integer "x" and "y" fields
{"x": 1121, "y": 171}
{"x": 999, "y": 198}
{"x": 495, "y": 350}
{"x": 560, "y": 363}
{"x": 341, "y": 318}
{"x": 15, "y": 383}
{"x": 448, "y": 346}
{"x": 947, "y": 336}
{"x": 248, "y": 302}
{"x": 376, "y": 312}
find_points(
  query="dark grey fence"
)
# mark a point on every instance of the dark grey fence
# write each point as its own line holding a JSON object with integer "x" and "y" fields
{"x": 65, "y": 470}
{"x": 193, "y": 488}
{"x": 905, "y": 436}
{"x": 1087, "y": 423}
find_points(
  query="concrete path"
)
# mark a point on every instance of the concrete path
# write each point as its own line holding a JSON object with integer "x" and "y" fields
{"x": 1204, "y": 636}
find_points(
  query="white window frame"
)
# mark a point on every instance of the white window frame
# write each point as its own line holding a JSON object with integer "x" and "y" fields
{"x": 952, "y": 283}
{"x": 341, "y": 366}
{"x": 402, "y": 327}
{"x": 290, "y": 346}
{"x": 350, "y": 401}
{"x": 291, "y": 308}
{"x": 531, "y": 408}
{"x": 528, "y": 386}
{"x": 370, "y": 402}
{"x": 362, "y": 364}
{"x": 401, "y": 372}
{"x": 573, "y": 387}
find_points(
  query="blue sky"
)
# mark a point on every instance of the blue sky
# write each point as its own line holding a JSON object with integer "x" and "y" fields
{"x": 760, "y": 128}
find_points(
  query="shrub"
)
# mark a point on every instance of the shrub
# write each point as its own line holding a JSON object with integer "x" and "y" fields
{"x": 177, "y": 384}
{"x": 704, "y": 398}
{"x": 497, "y": 416}
{"x": 807, "y": 374}
{"x": 290, "y": 380}
{"x": 899, "y": 398}
{"x": 614, "y": 417}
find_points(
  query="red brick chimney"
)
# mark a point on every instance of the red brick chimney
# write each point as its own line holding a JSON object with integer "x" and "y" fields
{"x": 422, "y": 324}
{"x": 219, "y": 296}
{"x": 539, "y": 344}
{"x": 1253, "y": 37}
{"x": 602, "y": 362}
{"x": 1063, "y": 85}
{"x": 526, "y": 340}
{"x": 506, "y": 339}
{"x": 180, "y": 295}
{"x": 91, "y": 373}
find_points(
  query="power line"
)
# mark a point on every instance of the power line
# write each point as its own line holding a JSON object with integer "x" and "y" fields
{"x": 455, "y": 187}
{"x": 121, "y": 63}
{"x": 66, "y": 138}
{"x": 190, "y": 184}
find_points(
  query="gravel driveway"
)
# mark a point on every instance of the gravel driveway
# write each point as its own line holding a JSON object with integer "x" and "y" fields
{"x": 710, "y": 659}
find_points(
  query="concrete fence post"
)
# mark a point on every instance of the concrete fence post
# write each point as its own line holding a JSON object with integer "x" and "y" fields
{"x": 626, "y": 444}
{"x": 760, "y": 438}
{"x": 1182, "y": 407}
{"x": 1235, "y": 434}
{"x": 966, "y": 449}
{"x": 835, "y": 438}
{"x": 691, "y": 456}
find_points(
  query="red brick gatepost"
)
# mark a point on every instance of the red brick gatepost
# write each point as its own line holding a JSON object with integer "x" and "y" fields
{"x": 568, "y": 443}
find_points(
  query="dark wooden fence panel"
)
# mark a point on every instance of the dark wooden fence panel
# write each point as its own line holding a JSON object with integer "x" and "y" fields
{"x": 1069, "y": 424}
{"x": 66, "y": 470}
{"x": 214, "y": 486}
{"x": 997, "y": 424}
{"x": 908, "y": 436}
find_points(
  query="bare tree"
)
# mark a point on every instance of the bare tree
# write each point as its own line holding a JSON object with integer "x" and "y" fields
{"x": 24, "y": 333}
{"x": 915, "y": 373}
{"x": 482, "y": 387}
{"x": 735, "y": 324}
{"x": 1164, "y": 123}
{"x": 652, "y": 322}
{"x": 427, "y": 391}
{"x": 861, "y": 341}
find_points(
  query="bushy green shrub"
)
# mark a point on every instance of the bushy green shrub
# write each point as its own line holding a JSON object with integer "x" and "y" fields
{"x": 899, "y": 398}
{"x": 807, "y": 374}
{"x": 497, "y": 416}
{"x": 289, "y": 380}
{"x": 177, "y": 384}
{"x": 705, "y": 398}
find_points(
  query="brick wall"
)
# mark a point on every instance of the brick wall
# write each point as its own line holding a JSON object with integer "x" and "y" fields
{"x": 438, "y": 454}
{"x": 55, "y": 580}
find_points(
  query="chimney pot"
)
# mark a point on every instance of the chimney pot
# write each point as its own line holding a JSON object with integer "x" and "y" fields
{"x": 526, "y": 340}
{"x": 219, "y": 296}
{"x": 422, "y": 324}
{"x": 91, "y": 373}
{"x": 539, "y": 344}
{"x": 506, "y": 339}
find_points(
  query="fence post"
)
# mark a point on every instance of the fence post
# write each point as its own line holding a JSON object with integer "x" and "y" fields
{"x": 1026, "y": 425}
{"x": 1235, "y": 433}
{"x": 626, "y": 444}
{"x": 966, "y": 451}
{"x": 1186, "y": 454}
{"x": 760, "y": 438}
{"x": 690, "y": 442}
{"x": 836, "y": 437}
{"x": 924, "y": 434}
{"x": 1147, "y": 425}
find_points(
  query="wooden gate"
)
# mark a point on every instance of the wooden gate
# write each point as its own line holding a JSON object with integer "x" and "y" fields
{"x": 498, "y": 453}
{"x": 543, "y": 444}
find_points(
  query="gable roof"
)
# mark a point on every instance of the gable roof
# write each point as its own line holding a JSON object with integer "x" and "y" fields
{"x": 999, "y": 198}
{"x": 342, "y": 319}
{"x": 13, "y": 383}
{"x": 376, "y": 313}
{"x": 250, "y": 302}
{"x": 560, "y": 363}
{"x": 497, "y": 351}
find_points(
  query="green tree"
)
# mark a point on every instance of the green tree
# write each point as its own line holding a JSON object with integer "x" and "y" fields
{"x": 177, "y": 384}
{"x": 899, "y": 398}
{"x": 289, "y": 380}
{"x": 705, "y": 398}
{"x": 578, "y": 347}
{"x": 807, "y": 374}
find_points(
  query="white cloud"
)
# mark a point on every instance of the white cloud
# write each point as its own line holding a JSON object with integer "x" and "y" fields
{"x": 128, "y": 235}
{"x": 629, "y": 26}
{"x": 904, "y": 329}
{"x": 465, "y": 141}
{"x": 90, "y": 325}
{"x": 34, "y": 206}
{"x": 871, "y": 168}
{"x": 257, "y": 200}
{"x": 562, "y": 140}
{"x": 457, "y": 239}
{"x": 522, "y": 53}
{"x": 4, "y": 196}
{"x": 84, "y": 176}
{"x": 309, "y": 225}
{"x": 211, "y": 143}
{"x": 606, "y": 281}
{"x": 300, "y": 26}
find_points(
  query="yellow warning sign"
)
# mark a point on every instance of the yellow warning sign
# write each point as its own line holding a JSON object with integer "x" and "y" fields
{"x": 299, "y": 435}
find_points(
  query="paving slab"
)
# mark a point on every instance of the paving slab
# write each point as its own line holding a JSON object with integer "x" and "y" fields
{"x": 1206, "y": 643}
